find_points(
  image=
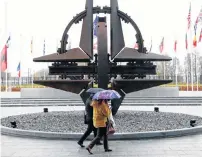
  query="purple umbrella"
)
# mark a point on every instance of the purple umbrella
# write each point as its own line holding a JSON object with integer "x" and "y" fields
{"x": 107, "y": 94}
{"x": 94, "y": 90}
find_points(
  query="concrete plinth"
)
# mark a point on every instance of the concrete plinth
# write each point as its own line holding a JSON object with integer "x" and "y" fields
{"x": 52, "y": 93}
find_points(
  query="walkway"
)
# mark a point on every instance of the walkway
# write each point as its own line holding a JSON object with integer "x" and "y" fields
{"x": 187, "y": 146}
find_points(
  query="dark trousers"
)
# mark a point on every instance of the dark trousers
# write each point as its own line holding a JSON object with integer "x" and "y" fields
{"x": 102, "y": 132}
{"x": 88, "y": 132}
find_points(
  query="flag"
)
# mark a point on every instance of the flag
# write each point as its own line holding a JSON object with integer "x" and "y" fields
{"x": 95, "y": 30}
{"x": 44, "y": 47}
{"x": 175, "y": 46}
{"x": 4, "y": 56}
{"x": 95, "y": 27}
{"x": 4, "y": 59}
{"x": 18, "y": 69}
{"x": 200, "y": 36}
{"x": 189, "y": 17}
{"x": 150, "y": 46}
{"x": 95, "y": 46}
{"x": 195, "y": 25}
{"x": 136, "y": 46}
{"x": 69, "y": 45}
{"x": 186, "y": 42}
{"x": 161, "y": 46}
{"x": 200, "y": 16}
{"x": 195, "y": 41}
{"x": 31, "y": 45}
{"x": 195, "y": 28}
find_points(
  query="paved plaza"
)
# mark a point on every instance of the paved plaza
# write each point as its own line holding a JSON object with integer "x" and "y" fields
{"x": 186, "y": 146}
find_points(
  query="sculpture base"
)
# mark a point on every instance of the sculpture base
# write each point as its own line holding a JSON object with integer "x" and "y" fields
{"x": 129, "y": 125}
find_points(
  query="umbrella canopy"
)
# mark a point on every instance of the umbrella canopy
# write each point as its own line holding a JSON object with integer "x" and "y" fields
{"x": 94, "y": 90}
{"x": 107, "y": 94}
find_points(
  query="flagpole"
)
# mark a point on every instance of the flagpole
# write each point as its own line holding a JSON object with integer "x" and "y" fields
{"x": 32, "y": 78}
{"x": 164, "y": 70}
{"x": 44, "y": 74}
{"x": 187, "y": 75}
{"x": 175, "y": 50}
{"x": 191, "y": 53}
{"x": 32, "y": 71}
{"x": 197, "y": 81}
{"x": 176, "y": 81}
{"x": 20, "y": 58}
{"x": 5, "y": 3}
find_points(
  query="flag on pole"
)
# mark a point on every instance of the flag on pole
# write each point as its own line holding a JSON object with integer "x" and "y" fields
{"x": 200, "y": 16}
{"x": 18, "y": 69}
{"x": 69, "y": 45}
{"x": 195, "y": 25}
{"x": 150, "y": 46}
{"x": 186, "y": 42}
{"x": 189, "y": 17}
{"x": 31, "y": 45}
{"x": 161, "y": 46}
{"x": 95, "y": 27}
{"x": 195, "y": 41}
{"x": 175, "y": 46}
{"x": 44, "y": 47}
{"x": 136, "y": 46}
{"x": 4, "y": 60}
{"x": 195, "y": 28}
{"x": 200, "y": 36}
{"x": 95, "y": 31}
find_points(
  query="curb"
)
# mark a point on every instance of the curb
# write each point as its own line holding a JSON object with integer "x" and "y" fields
{"x": 116, "y": 136}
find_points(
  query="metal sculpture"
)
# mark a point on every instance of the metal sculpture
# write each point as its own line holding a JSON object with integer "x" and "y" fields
{"x": 102, "y": 68}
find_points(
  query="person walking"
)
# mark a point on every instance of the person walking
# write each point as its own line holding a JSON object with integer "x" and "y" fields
{"x": 89, "y": 120}
{"x": 101, "y": 112}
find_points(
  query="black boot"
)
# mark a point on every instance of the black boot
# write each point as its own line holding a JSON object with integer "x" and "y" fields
{"x": 89, "y": 150}
{"x": 108, "y": 150}
{"x": 81, "y": 144}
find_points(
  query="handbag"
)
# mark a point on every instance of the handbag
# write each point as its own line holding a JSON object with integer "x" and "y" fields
{"x": 110, "y": 129}
{"x": 111, "y": 120}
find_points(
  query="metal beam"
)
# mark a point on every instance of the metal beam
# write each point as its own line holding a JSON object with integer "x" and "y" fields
{"x": 117, "y": 39}
{"x": 129, "y": 86}
{"x": 73, "y": 55}
{"x": 130, "y": 54}
{"x": 70, "y": 70}
{"x": 103, "y": 57}
{"x": 91, "y": 69}
{"x": 74, "y": 86}
{"x": 138, "y": 69}
{"x": 86, "y": 40}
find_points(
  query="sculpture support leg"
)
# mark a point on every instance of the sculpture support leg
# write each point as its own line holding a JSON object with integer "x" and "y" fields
{"x": 116, "y": 103}
{"x": 103, "y": 61}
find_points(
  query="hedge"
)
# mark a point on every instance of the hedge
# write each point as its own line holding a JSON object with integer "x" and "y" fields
{"x": 182, "y": 87}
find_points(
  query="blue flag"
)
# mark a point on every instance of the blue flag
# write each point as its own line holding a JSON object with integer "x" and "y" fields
{"x": 95, "y": 27}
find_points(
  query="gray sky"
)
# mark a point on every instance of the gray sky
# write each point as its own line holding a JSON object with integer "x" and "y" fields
{"x": 47, "y": 19}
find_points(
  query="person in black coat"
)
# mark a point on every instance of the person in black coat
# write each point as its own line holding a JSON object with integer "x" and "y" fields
{"x": 89, "y": 120}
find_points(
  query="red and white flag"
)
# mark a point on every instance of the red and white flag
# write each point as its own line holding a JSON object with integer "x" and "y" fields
{"x": 200, "y": 36}
{"x": 175, "y": 46}
{"x": 4, "y": 60}
{"x": 161, "y": 46}
{"x": 18, "y": 69}
{"x": 136, "y": 46}
{"x": 200, "y": 16}
{"x": 189, "y": 17}
{"x": 186, "y": 42}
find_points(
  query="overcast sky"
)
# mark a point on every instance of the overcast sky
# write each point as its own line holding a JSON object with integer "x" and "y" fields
{"x": 47, "y": 19}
